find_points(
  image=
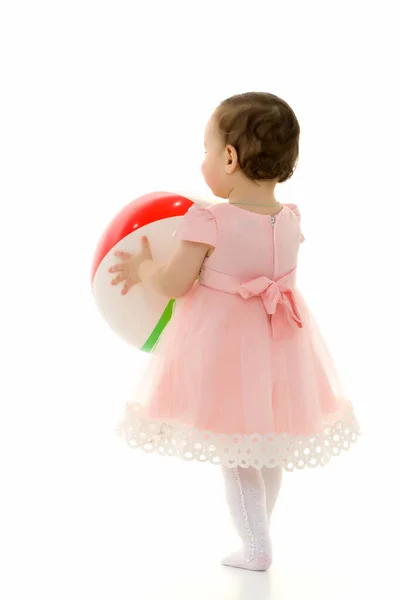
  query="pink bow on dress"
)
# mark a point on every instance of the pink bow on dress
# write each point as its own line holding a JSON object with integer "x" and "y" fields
{"x": 279, "y": 301}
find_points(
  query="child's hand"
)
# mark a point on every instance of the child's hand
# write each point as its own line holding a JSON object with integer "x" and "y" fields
{"x": 128, "y": 269}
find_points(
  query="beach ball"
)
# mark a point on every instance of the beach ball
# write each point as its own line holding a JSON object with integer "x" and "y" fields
{"x": 141, "y": 315}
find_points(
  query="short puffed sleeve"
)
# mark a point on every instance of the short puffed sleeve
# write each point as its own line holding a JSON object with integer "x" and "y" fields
{"x": 198, "y": 225}
{"x": 294, "y": 208}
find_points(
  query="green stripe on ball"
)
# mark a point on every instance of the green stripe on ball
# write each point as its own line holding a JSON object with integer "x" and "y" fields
{"x": 159, "y": 328}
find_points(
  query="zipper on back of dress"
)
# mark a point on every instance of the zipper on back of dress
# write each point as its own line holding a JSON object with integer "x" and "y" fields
{"x": 273, "y": 246}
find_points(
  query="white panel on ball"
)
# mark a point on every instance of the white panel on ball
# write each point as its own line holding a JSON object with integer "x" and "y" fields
{"x": 134, "y": 316}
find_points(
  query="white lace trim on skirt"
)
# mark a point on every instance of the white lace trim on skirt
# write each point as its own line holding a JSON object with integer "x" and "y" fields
{"x": 290, "y": 452}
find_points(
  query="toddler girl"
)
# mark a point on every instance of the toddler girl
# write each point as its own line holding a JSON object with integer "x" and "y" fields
{"x": 241, "y": 376}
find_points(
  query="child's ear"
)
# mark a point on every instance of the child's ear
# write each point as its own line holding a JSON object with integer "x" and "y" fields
{"x": 231, "y": 160}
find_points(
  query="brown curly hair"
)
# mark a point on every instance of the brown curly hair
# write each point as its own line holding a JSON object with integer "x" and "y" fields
{"x": 265, "y": 133}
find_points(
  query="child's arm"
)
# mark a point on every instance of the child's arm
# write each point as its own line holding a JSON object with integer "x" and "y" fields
{"x": 177, "y": 277}
{"x": 198, "y": 237}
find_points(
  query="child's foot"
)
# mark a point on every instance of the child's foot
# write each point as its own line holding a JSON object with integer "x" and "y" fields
{"x": 261, "y": 562}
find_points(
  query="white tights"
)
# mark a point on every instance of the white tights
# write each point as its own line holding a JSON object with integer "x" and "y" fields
{"x": 251, "y": 495}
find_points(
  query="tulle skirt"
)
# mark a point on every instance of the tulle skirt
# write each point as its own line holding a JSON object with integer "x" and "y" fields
{"x": 220, "y": 389}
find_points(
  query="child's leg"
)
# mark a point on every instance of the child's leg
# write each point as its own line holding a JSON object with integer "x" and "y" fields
{"x": 246, "y": 498}
{"x": 272, "y": 481}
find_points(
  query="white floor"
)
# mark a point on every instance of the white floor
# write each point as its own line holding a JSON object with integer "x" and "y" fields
{"x": 107, "y": 522}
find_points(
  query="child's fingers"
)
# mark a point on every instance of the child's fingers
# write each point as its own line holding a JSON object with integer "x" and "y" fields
{"x": 146, "y": 250}
{"x": 123, "y": 255}
{"x": 116, "y": 268}
{"x": 118, "y": 279}
{"x": 127, "y": 286}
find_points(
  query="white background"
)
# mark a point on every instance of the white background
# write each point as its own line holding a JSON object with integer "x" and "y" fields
{"x": 104, "y": 101}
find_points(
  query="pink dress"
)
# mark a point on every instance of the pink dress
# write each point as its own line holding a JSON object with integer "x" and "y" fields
{"x": 241, "y": 375}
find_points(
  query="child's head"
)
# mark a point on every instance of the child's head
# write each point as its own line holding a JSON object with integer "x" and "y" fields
{"x": 250, "y": 137}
